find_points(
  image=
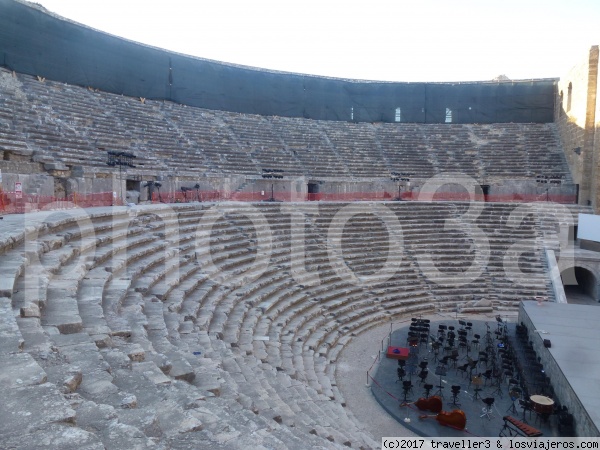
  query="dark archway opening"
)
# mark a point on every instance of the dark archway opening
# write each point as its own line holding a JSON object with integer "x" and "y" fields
{"x": 586, "y": 289}
{"x": 485, "y": 188}
{"x": 313, "y": 191}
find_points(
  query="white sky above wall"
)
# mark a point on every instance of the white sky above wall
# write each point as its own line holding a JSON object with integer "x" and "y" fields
{"x": 400, "y": 40}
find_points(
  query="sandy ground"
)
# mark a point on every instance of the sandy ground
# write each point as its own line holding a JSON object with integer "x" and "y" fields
{"x": 351, "y": 377}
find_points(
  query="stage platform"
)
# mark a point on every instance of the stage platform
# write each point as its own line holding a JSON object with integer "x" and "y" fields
{"x": 573, "y": 360}
{"x": 388, "y": 391}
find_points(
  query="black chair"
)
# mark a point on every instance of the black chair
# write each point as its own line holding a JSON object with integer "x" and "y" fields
{"x": 469, "y": 327}
{"x": 566, "y": 425}
{"x": 462, "y": 343}
{"x": 454, "y": 357}
{"x": 512, "y": 383}
{"x": 515, "y": 394}
{"x": 435, "y": 346}
{"x": 428, "y": 388}
{"x": 488, "y": 408}
{"x": 472, "y": 365}
{"x": 487, "y": 375}
{"x": 401, "y": 362}
{"x": 423, "y": 375}
{"x": 401, "y": 374}
{"x": 464, "y": 368}
{"x": 442, "y": 330}
{"x": 525, "y": 405}
{"x": 475, "y": 341}
{"x": 483, "y": 359}
{"x": 455, "y": 391}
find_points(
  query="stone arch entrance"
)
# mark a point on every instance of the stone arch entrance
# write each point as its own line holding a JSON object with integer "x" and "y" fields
{"x": 586, "y": 291}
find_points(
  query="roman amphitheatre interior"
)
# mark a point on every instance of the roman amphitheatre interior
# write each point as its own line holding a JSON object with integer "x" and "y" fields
{"x": 202, "y": 255}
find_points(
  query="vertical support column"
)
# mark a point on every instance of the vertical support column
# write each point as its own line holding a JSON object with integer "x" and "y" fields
{"x": 589, "y": 182}
{"x": 595, "y": 148}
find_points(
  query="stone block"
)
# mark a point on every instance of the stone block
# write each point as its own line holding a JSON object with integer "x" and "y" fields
{"x": 31, "y": 310}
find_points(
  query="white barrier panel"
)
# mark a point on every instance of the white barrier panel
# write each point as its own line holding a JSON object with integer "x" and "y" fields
{"x": 589, "y": 227}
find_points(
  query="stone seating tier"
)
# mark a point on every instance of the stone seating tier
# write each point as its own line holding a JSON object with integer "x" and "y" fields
{"x": 114, "y": 321}
{"x": 75, "y": 126}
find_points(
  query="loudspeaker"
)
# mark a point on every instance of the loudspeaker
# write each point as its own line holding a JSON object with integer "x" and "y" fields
{"x": 547, "y": 343}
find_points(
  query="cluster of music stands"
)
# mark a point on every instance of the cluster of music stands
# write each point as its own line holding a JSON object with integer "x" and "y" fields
{"x": 417, "y": 335}
{"x": 484, "y": 360}
{"x": 481, "y": 359}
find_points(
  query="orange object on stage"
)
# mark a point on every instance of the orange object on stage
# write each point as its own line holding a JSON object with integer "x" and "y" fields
{"x": 397, "y": 353}
{"x": 514, "y": 427}
{"x": 454, "y": 419}
{"x": 433, "y": 404}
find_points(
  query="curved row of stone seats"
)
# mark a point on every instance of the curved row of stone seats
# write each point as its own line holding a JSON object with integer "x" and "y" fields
{"x": 74, "y": 308}
{"x": 74, "y": 126}
{"x": 44, "y": 343}
{"x": 517, "y": 264}
{"x": 356, "y": 146}
{"x": 126, "y": 426}
{"x": 210, "y": 139}
{"x": 218, "y": 303}
{"x": 155, "y": 131}
{"x": 406, "y": 149}
{"x": 556, "y": 223}
{"x": 270, "y": 306}
{"x": 256, "y": 136}
{"x": 307, "y": 142}
{"x": 157, "y": 329}
{"x": 454, "y": 150}
{"x": 217, "y": 315}
{"x": 433, "y": 248}
{"x": 148, "y": 304}
{"x": 90, "y": 124}
{"x": 130, "y": 300}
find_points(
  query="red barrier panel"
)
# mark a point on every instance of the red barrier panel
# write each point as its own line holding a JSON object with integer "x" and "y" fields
{"x": 258, "y": 196}
{"x": 12, "y": 203}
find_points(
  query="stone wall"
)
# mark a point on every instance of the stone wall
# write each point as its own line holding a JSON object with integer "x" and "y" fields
{"x": 596, "y": 156}
{"x": 32, "y": 183}
{"x": 575, "y": 116}
{"x": 591, "y": 263}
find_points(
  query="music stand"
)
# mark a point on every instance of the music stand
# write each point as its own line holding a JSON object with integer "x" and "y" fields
{"x": 514, "y": 396}
{"x": 498, "y": 389}
{"x": 411, "y": 368}
{"x": 435, "y": 347}
{"x": 411, "y": 363}
{"x": 442, "y": 371}
{"x": 477, "y": 381}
